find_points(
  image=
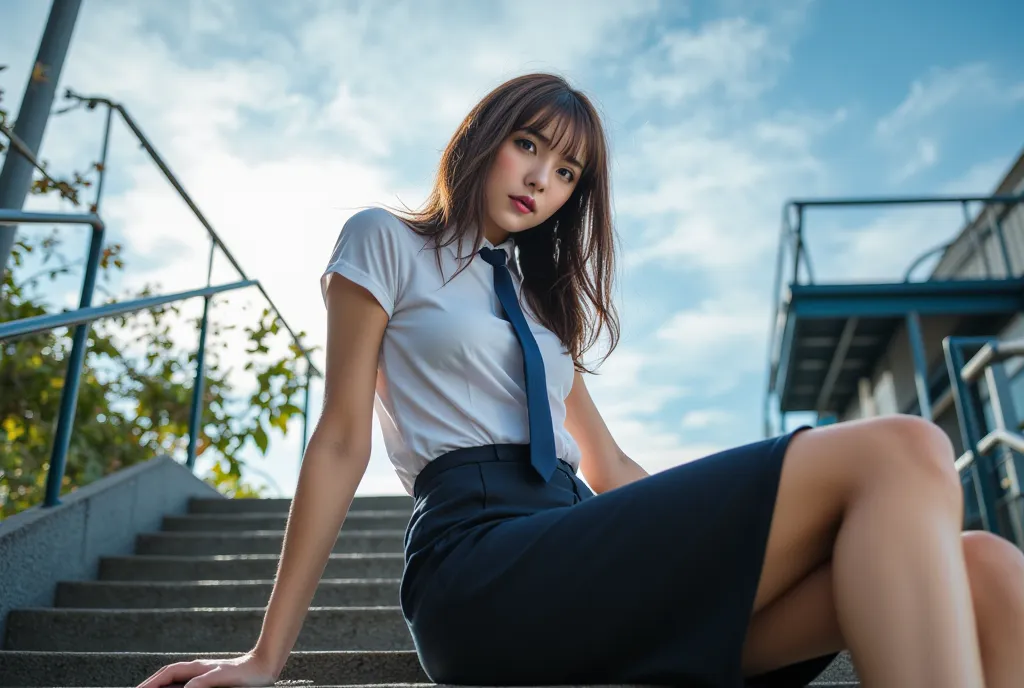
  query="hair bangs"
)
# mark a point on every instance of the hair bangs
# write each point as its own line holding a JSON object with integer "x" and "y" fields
{"x": 575, "y": 135}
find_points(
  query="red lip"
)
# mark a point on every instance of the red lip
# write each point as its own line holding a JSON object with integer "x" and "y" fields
{"x": 527, "y": 201}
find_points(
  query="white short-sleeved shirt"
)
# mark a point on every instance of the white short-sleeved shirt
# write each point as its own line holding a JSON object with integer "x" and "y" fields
{"x": 450, "y": 371}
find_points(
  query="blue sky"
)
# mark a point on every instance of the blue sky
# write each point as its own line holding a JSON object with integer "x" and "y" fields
{"x": 282, "y": 119}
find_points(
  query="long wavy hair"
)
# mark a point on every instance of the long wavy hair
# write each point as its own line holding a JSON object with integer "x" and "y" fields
{"x": 568, "y": 261}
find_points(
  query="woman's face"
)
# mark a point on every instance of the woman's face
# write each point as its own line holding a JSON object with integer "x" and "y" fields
{"x": 527, "y": 166}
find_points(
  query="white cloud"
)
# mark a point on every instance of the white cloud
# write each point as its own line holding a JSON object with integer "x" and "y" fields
{"x": 912, "y": 132}
{"x": 710, "y": 194}
{"x": 971, "y": 85}
{"x": 731, "y": 56}
{"x": 926, "y": 155}
{"x": 704, "y": 418}
{"x": 717, "y": 341}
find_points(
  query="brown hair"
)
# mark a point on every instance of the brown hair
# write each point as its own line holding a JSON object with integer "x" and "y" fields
{"x": 567, "y": 262}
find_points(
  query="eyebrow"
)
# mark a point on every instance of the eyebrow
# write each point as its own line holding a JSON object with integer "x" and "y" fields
{"x": 568, "y": 158}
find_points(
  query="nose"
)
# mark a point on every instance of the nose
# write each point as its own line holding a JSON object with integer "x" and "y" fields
{"x": 537, "y": 178}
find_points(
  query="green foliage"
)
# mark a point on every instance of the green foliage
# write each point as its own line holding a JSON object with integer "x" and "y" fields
{"x": 135, "y": 391}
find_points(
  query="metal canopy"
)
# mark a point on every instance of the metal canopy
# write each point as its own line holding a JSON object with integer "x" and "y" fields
{"x": 834, "y": 334}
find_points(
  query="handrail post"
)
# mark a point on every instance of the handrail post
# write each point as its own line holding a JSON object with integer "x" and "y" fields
{"x": 963, "y": 400}
{"x": 103, "y": 161}
{"x": 1005, "y": 419}
{"x": 196, "y": 412}
{"x": 72, "y": 377}
{"x": 917, "y": 353}
{"x": 798, "y": 243}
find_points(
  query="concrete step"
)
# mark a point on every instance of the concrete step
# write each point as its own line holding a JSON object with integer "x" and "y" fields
{"x": 216, "y": 505}
{"x": 839, "y": 673}
{"x": 356, "y": 520}
{"x": 308, "y": 684}
{"x": 313, "y": 669}
{"x": 20, "y": 668}
{"x": 261, "y": 542}
{"x": 166, "y": 595}
{"x": 240, "y": 567}
{"x": 199, "y": 630}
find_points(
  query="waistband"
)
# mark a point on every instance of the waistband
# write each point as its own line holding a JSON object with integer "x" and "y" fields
{"x": 483, "y": 454}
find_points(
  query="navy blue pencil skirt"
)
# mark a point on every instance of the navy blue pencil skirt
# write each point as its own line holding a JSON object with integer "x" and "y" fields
{"x": 511, "y": 580}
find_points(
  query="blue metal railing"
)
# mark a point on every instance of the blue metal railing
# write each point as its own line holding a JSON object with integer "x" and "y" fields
{"x": 792, "y": 246}
{"x": 977, "y": 464}
{"x": 82, "y": 317}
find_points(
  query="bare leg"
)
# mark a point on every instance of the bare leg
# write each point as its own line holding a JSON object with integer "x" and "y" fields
{"x": 996, "y": 570}
{"x": 881, "y": 499}
{"x": 901, "y": 587}
{"x": 802, "y": 623}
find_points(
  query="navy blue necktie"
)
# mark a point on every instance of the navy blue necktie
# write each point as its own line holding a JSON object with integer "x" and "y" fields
{"x": 542, "y": 434}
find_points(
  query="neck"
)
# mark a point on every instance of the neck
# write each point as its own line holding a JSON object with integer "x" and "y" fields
{"x": 494, "y": 234}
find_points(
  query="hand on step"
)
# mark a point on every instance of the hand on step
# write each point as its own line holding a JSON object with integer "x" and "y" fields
{"x": 245, "y": 670}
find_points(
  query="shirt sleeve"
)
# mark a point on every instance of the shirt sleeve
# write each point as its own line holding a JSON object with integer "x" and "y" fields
{"x": 368, "y": 252}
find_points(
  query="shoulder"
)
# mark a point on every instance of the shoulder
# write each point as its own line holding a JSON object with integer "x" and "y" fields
{"x": 380, "y": 223}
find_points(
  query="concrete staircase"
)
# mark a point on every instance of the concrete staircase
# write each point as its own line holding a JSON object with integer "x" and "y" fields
{"x": 199, "y": 587}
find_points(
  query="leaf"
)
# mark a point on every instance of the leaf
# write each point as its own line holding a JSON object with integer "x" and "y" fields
{"x": 259, "y": 435}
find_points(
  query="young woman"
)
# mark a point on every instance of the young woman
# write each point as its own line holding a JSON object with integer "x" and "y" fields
{"x": 465, "y": 326}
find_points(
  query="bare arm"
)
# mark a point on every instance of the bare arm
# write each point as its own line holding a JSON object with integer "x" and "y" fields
{"x": 603, "y": 463}
{"x": 334, "y": 464}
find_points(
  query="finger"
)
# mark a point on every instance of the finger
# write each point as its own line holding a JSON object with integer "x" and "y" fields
{"x": 212, "y": 678}
{"x": 174, "y": 673}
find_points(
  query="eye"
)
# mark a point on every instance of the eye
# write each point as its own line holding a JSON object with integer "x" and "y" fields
{"x": 569, "y": 178}
{"x": 526, "y": 141}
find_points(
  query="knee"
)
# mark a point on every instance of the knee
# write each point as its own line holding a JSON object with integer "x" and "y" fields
{"x": 917, "y": 452}
{"x": 995, "y": 567}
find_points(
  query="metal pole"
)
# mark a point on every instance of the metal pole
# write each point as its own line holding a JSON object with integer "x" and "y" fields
{"x": 196, "y": 412}
{"x": 798, "y": 243}
{"x": 963, "y": 400}
{"x": 920, "y": 364}
{"x": 72, "y": 378}
{"x": 16, "y": 175}
{"x": 1005, "y": 418}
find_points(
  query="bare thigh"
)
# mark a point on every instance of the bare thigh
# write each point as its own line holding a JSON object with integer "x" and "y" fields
{"x": 824, "y": 469}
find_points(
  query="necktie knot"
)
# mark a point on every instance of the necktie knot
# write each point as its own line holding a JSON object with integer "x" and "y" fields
{"x": 495, "y": 256}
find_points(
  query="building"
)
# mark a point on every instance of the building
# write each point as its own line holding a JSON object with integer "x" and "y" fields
{"x": 850, "y": 350}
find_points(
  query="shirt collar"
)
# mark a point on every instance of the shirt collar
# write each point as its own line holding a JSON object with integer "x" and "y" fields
{"x": 460, "y": 250}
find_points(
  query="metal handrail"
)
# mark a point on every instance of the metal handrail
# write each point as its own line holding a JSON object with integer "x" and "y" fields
{"x": 91, "y": 102}
{"x": 999, "y": 437}
{"x": 26, "y": 152}
{"x": 902, "y": 200}
{"x": 989, "y": 355}
{"x": 941, "y": 248}
{"x": 991, "y": 352}
{"x": 82, "y": 317}
{"x": 13, "y": 217}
